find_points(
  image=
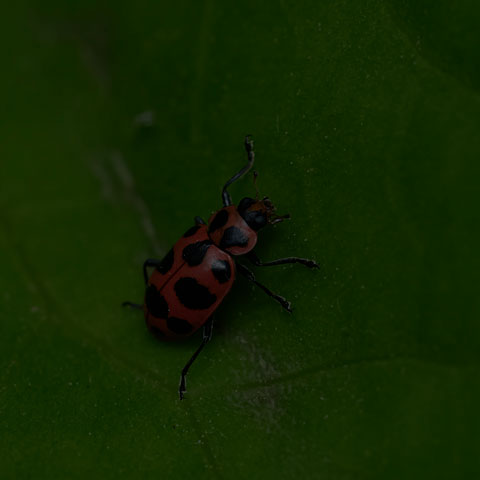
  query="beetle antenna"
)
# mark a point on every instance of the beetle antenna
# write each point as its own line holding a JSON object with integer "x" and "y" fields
{"x": 255, "y": 176}
{"x": 227, "y": 200}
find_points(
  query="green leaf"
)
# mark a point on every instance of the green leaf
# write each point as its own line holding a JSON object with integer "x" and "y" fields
{"x": 121, "y": 122}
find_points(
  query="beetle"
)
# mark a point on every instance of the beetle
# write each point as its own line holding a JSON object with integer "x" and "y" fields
{"x": 189, "y": 283}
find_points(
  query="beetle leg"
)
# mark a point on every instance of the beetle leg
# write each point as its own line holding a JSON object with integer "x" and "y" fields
{"x": 250, "y": 276}
{"x": 132, "y": 305}
{"x": 199, "y": 220}
{"x": 207, "y": 335}
{"x": 227, "y": 200}
{"x": 281, "y": 261}
{"x": 150, "y": 262}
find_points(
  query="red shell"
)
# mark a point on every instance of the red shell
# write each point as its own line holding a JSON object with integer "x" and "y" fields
{"x": 202, "y": 273}
{"x": 233, "y": 220}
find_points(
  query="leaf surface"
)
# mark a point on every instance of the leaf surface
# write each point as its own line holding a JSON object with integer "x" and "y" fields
{"x": 122, "y": 121}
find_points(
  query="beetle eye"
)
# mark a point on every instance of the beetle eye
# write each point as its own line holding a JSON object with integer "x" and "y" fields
{"x": 267, "y": 202}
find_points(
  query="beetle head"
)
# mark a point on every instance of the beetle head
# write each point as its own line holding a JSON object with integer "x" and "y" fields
{"x": 258, "y": 213}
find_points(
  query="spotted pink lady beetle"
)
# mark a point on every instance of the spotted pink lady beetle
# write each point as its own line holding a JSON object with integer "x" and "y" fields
{"x": 187, "y": 286}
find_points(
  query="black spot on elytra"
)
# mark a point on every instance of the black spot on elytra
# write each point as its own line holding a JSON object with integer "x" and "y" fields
{"x": 193, "y": 254}
{"x": 193, "y": 295}
{"x": 244, "y": 205}
{"x": 166, "y": 264}
{"x": 255, "y": 219}
{"x": 155, "y": 302}
{"x": 219, "y": 221}
{"x": 191, "y": 231}
{"x": 179, "y": 326}
{"x": 233, "y": 237}
{"x": 222, "y": 271}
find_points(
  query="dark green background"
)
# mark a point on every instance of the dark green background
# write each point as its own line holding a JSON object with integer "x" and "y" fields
{"x": 366, "y": 117}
